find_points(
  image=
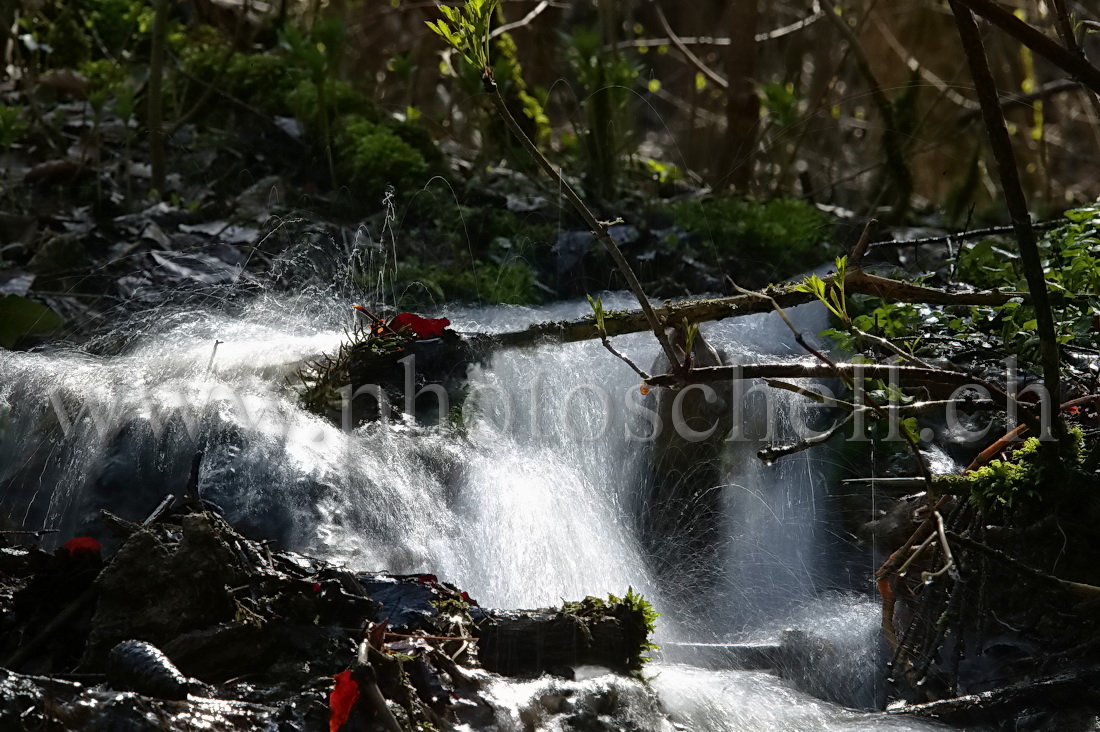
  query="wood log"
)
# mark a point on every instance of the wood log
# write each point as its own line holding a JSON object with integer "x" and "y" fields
{"x": 531, "y": 642}
{"x": 857, "y": 282}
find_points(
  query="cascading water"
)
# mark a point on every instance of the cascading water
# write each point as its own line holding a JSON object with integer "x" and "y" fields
{"x": 540, "y": 498}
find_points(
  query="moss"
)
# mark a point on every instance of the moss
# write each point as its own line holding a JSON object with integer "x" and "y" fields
{"x": 1025, "y": 481}
{"x": 784, "y": 231}
{"x": 634, "y": 613}
{"x": 340, "y": 98}
{"x": 364, "y": 359}
{"x": 507, "y": 283}
{"x": 374, "y": 157}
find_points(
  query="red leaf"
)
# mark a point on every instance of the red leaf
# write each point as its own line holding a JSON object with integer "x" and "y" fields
{"x": 82, "y": 545}
{"x": 341, "y": 699}
{"x": 427, "y": 579}
{"x": 421, "y": 327}
{"x": 315, "y": 586}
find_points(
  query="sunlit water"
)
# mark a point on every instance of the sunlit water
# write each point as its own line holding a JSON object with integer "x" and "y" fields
{"x": 536, "y": 502}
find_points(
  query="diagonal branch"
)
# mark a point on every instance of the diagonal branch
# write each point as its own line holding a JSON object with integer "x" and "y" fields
{"x": 1066, "y": 60}
{"x": 599, "y": 228}
{"x": 1016, "y": 202}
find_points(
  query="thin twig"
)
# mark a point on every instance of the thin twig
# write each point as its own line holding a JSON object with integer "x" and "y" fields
{"x": 893, "y": 145}
{"x": 916, "y": 553}
{"x": 856, "y": 258}
{"x": 624, "y": 358}
{"x": 960, "y": 236}
{"x": 815, "y": 15}
{"x": 771, "y": 453}
{"x": 524, "y": 21}
{"x": 1069, "y": 38}
{"x": 828, "y": 401}
{"x": 945, "y": 546}
{"x": 682, "y": 48}
{"x": 599, "y": 228}
{"x": 1015, "y": 564}
{"x": 918, "y": 456}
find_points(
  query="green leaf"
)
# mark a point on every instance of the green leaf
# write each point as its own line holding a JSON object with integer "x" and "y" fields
{"x": 598, "y": 313}
{"x": 909, "y": 424}
{"x": 21, "y": 317}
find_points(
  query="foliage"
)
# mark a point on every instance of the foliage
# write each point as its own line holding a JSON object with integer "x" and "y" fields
{"x": 785, "y": 231}
{"x": 508, "y": 283}
{"x": 373, "y": 157}
{"x": 605, "y": 79}
{"x": 782, "y": 103}
{"x": 467, "y": 29}
{"x": 1023, "y": 481}
{"x": 12, "y": 125}
{"x": 316, "y": 104}
{"x": 832, "y": 296}
{"x": 1071, "y": 262}
{"x": 20, "y": 317}
{"x": 632, "y": 610}
{"x": 598, "y": 313}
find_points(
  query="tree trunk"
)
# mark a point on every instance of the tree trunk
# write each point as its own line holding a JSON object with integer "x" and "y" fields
{"x": 742, "y": 104}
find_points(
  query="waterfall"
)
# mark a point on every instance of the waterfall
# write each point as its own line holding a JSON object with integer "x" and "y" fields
{"x": 540, "y": 497}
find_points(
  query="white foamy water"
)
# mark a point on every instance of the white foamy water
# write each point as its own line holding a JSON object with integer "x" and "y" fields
{"x": 537, "y": 501}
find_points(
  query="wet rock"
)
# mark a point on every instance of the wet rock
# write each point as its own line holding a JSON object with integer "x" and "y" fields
{"x": 404, "y": 604}
{"x": 141, "y": 667}
{"x": 222, "y": 652}
{"x": 32, "y": 703}
{"x": 823, "y": 668}
{"x": 156, "y": 591}
{"x": 896, "y": 523}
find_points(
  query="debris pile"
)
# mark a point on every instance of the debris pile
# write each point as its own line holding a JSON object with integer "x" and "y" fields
{"x": 189, "y": 623}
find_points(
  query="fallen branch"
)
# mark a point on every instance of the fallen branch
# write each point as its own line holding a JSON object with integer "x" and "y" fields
{"x": 857, "y": 282}
{"x": 868, "y": 400}
{"x": 959, "y": 236}
{"x": 1052, "y": 692}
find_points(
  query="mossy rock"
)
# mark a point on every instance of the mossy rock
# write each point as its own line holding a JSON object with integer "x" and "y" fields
{"x": 506, "y": 283}
{"x": 373, "y": 157}
{"x": 785, "y": 233}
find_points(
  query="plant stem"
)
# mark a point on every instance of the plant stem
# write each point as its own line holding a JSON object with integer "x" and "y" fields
{"x": 1001, "y": 144}
{"x": 599, "y": 228}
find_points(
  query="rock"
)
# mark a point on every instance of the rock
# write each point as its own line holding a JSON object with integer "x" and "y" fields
{"x": 155, "y": 591}
{"x": 139, "y": 666}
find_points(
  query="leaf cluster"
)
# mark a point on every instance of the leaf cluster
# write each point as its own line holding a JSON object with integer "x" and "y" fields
{"x": 1071, "y": 263}
{"x": 832, "y": 295}
{"x": 466, "y": 29}
{"x": 637, "y": 615}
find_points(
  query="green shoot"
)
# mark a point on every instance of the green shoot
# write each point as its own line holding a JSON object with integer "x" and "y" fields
{"x": 468, "y": 30}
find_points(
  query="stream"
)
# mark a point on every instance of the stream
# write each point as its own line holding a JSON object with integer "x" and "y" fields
{"x": 544, "y": 496}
